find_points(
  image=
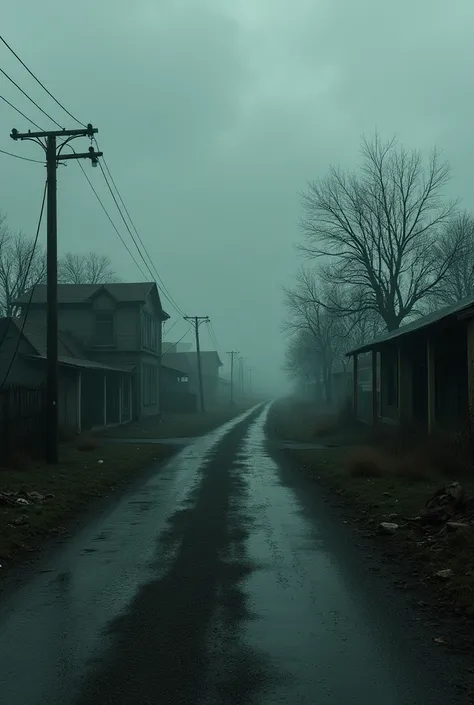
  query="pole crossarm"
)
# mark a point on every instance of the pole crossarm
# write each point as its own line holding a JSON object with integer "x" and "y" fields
{"x": 89, "y": 131}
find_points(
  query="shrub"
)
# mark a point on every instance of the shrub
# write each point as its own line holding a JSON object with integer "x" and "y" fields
{"x": 368, "y": 461}
{"x": 325, "y": 426}
{"x": 18, "y": 460}
{"x": 87, "y": 443}
{"x": 412, "y": 467}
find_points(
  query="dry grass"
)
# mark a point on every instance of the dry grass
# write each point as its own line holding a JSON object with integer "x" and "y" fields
{"x": 175, "y": 425}
{"x": 302, "y": 421}
{"x": 87, "y": 443}
{"x": 372, "y": 461}
{"x": 367, "y": 461}
{"x": 326, "y": 425}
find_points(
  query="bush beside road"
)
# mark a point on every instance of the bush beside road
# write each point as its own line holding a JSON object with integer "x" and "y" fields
{"x": 175, "y": 425}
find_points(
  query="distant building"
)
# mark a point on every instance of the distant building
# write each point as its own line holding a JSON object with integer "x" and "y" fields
{"x": 186, "y": 363}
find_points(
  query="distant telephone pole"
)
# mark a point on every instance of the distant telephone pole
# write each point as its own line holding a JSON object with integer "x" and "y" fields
{"x": 242, "y": 381}
{"x": 53, "y": 157}
{"x": 196, "y": 321}
{"x": 232, "y": 354}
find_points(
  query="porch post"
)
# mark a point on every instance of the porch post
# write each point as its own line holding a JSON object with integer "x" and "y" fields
{"x": 130, "y": 406}
{"x": 105, "y": 399}
{"x": 374, "y": 387}
{"x": 470, "y": 368}
{"x": 120, "y": 397}
{"x": 355, "y": 383}
{"x": 430, "y": 367}
{"x": 405, "y": 385}
{"x": 79, "y": 403}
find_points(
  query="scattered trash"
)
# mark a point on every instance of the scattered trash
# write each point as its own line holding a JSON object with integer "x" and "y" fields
{"x": 100, "y": 462}
{"x": 439, "y": 640}
{"x": 24, "y": 498}
{"x": 36, "y": 496}
{"x": 455, "y": 525}
{"x": 446, "y": 573}
{"x": 388, "y": 527}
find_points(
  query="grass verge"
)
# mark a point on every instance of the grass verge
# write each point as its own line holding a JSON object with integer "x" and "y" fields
{"x": 389, "y": 479}
{"x": 175, "y": 425}
{"x": 54, "y": 494}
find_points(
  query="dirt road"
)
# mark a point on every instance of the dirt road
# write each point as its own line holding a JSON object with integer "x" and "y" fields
{"x": 215, "y": 581}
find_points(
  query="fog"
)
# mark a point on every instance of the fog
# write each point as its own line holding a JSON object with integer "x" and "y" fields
{"x": 213, "y": 116}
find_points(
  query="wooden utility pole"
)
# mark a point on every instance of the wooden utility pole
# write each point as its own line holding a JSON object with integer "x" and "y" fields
{"x": 242, "y": 381}
{"x": 53, "y": 157}
{"x": 196, "y": 321}
{"x": 232, "y": 354}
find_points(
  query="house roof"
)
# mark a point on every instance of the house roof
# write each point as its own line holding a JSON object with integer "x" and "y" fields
{"x": 69, "y": 350}
{"x": 83, "y": 364}
{"x": 123, "y": 292}
{"x": 187, "y": 361}
{"x": 419, "y": 324}
{"x": 176, "y": 361}
{"x": 209, "y": 361}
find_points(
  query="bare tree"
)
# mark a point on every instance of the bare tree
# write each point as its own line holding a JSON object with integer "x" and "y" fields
{"x": 459, "y": 280}
{"x": 308, "y": 314}
{"x": 22, "y": 266}
{"x": 90, "y": 268}
{"x": 301, "y": 357}
{"x": 321, "y": 336}
{"x": 378, "y": 229}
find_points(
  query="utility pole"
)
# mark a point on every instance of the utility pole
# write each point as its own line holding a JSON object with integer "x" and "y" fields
{"x": 232, "y": 354}
{"x": 196, "y": 321}
{"x": 250, "y": 380}
{"x": 53, "y": 157}
{"x": 242, "y": 384}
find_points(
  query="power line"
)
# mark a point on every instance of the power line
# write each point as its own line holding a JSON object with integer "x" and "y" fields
{"x": 167, "y": 332}
{"x": 213, "y": 335}
{"x": 177, "y": 342}
{"x": 33, "y": 251}
{"x": 19, "y": 111}
{"x": 40, "y": 83}
{"x": 153, "y": 275}
{"x": 164, "y": 288}
{"x": 110, "y": 219}
{"x": 17, "y": 156}
{"x": 30, "y": 99}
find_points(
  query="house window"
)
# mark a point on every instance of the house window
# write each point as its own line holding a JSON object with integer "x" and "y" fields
{"x": 104, "y": 329}
{"x": 150, "y": 385}
{"x": 149, "y": 338}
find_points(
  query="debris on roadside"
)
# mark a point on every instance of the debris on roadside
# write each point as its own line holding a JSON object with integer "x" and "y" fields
{"x": 23, "y": 498}
{"x": 445, "y": 573}
{"x": 388, "y": 527}
{"x": 439, "y": 640}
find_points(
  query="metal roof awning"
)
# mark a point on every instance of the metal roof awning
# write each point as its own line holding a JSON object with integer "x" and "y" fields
{"x": 83, "y": 364}
{"x": 461, "y": 310}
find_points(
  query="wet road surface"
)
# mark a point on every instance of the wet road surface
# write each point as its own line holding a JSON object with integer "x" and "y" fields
{"x": 214, "y": 582}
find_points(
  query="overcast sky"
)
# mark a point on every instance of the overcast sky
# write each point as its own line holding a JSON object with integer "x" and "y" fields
{"x": 214, "y": 114}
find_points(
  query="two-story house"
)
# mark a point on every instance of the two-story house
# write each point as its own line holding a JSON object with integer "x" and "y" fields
{"x": 117, "y": 325}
